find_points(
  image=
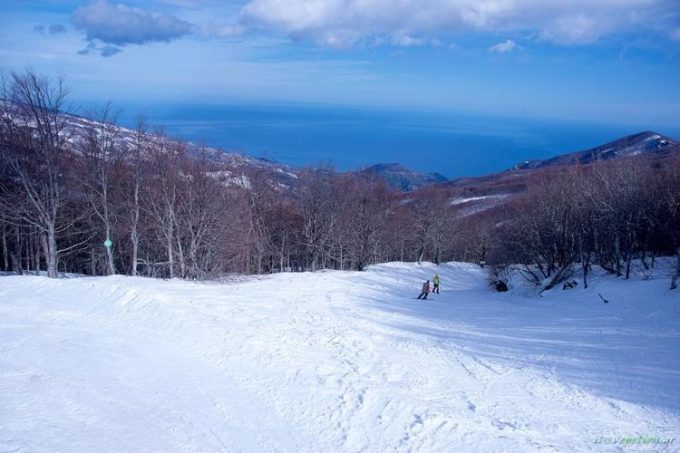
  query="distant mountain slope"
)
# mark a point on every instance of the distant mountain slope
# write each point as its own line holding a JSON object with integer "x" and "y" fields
{"x": 632, "y": 145}
{"x": 401, "y": 178}
{"x": 465, "y": 192}
{"x": 240, "y": 168}
{"x": 476, "y": 195}
{"x": 235, "y": 168}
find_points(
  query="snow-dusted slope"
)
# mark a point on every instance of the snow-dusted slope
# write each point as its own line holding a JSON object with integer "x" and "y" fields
{"x": 76, "y": 129}
{"x": 647, "y": 143}
{"x": 334, "y": 361}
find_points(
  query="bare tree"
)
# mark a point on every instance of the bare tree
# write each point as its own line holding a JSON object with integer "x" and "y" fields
{"x": 162, "y": 194}
{"x": 102, "y": 155}
{"x": 668, "y": 218}
{"x": 135, "y": 164}
{"x": 541, "y": 234}
{"x": 320, "y": 216}
{"x": 5, "y": 249}
{"x": 430, "y": 217}
{"x": 198, "y": 215}
{"x": 365, "y": 211}
{"x": 33, "y": 144}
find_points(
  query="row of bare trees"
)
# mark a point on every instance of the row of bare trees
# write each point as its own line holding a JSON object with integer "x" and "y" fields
{"x": 33, "y": 153}
{"x": 607, "y": 214}
{"x": 168, "y": 209}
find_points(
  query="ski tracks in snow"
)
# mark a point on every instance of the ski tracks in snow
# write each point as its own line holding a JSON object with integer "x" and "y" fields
{"x": 295, "y": 362}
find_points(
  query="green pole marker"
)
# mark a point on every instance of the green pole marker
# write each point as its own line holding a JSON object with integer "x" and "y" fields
{"x": 108, "y": 243}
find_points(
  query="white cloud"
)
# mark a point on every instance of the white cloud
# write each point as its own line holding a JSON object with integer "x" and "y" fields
{"x": 348, "y": 22}
{"x": 220, "y": 31}
{"x": 503, "y": 47}
{"x": 119, "y": 24}
{"x": 579, "y": 29}
{"x": 408, "y": 41}
{"x": 186, "y": 3}
{"x": 104, "y": 51}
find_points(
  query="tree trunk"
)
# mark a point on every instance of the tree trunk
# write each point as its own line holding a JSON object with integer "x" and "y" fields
{"x": 110, "y": 265}
{"x": 195, "y": 265}
{"x": 133, "y": 231}
{"x": 36, "y": 253}
{"x": 5, "y": 252}
{"x": 421, "y": 255}
{"x": 560, "y": 275}
{"x": 29, "y": 252}
{"x": 45, "y": 248}
{"x": 180, "y": 255}
{"x": 585, "y": 263}
{"x": 643, "y": 258}
{"x": 111, "y": 268}
{"x": 617, "y": 255}
{"x": 676, "y": 276}
{"x": 282, "y": 256}
{"x": 135, "y": 249}
{"x": 51, "y": 256}
{"x": 585, "y": 276}
{"x": 16, "y": 264}
{"x": 93, "y": 262}
{"x": 171, "y": 263}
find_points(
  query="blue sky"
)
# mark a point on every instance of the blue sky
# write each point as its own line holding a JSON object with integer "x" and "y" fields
{"x": 616, "y": 61}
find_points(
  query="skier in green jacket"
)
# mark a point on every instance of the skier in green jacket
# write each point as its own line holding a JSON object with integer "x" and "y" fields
{"x": 436, "y": 282}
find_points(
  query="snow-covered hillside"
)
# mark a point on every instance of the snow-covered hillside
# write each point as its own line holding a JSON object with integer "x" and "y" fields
{"x": 334, "y": 361}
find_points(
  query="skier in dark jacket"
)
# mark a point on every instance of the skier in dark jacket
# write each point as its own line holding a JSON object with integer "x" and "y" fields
{"x": 426, "y": 290}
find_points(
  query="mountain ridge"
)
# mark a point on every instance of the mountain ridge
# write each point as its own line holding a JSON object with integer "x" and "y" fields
{"x": 401, "y": 178}
{"x": 473, "y": 195}
{"x": 646, "y": 142}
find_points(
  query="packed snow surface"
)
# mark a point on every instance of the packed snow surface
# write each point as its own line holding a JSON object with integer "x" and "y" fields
{"x": 335, "y": 361}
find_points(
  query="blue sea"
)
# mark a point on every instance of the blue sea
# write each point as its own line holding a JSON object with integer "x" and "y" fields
{"x": 453, "y": 144}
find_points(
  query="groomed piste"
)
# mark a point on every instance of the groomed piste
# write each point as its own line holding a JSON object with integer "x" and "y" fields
{"x": 336, "y": 361}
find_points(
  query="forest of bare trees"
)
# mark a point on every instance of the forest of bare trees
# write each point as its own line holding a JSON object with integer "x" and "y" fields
{"x": 608, "y": 214}
{"x": 167, "y": 209}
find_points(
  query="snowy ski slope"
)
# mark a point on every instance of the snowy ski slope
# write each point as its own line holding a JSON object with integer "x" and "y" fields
{"x": 335, "y": 361}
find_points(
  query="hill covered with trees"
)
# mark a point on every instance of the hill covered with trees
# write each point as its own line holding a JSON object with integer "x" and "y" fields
{"x": 87, "y": 196}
